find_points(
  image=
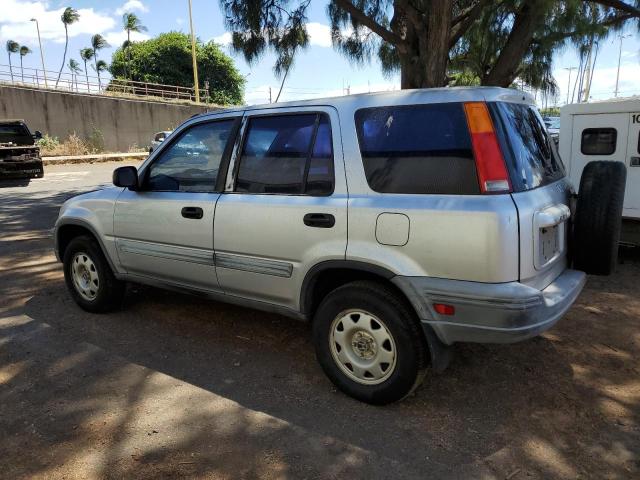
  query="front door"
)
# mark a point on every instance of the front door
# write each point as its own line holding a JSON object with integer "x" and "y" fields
{"x": 164, "y": 230}
{"x": 285, "y": 205}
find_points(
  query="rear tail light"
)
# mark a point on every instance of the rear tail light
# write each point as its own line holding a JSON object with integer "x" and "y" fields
{"x": 492, "y": 171}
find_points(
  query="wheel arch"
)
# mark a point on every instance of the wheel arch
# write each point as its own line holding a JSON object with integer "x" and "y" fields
{"x": 72, "y": 228}
{"x": 331, "y": 274}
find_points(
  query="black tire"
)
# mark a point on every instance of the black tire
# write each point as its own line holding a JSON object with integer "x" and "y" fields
{"x": 109, "y": 291}
{"x": 411, "y": 351}
{"x": 598, "y": 219}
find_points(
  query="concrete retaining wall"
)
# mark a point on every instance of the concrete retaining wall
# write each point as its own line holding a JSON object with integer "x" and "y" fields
{"x": 122, "y": 122}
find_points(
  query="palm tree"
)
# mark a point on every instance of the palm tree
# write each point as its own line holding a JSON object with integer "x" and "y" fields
{"x": 86, "y": 54}
{"x": 12, "y": 47}
{"x": 24, "y": 50}
{"x": 74, "y": 68}
{"x": 101, "y": 66}
{"x": 68, "y": 17}
{"x": 130, "y": 23}
{"x": 98, "y": 42}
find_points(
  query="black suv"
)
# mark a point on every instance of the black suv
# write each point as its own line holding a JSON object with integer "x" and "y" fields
{"x": 19, "y": 154}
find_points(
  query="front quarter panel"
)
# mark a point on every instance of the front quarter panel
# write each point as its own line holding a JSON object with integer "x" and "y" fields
{"x": 93, "y": 210}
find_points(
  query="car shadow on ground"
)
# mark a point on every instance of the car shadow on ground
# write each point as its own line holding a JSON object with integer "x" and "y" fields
{"x": 542, "y": 406}
{"x": 14, "y": 182}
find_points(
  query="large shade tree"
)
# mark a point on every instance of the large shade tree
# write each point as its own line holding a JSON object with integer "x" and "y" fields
{"x": 488, "y": 41}
{"x": 166, "y": 59}
{"x": 12, "y": 47}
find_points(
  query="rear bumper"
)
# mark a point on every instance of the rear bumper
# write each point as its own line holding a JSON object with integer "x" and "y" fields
{"x": 491, "y": 313}
{"x": 28, "y": 169}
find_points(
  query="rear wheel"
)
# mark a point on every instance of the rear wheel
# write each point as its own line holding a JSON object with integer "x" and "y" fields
{"x": 369, "y": 343}
{"x": 598, "y": 218}
{"x": 89, "y": 277}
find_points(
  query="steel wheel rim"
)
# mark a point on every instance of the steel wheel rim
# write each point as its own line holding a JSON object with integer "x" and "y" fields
{"x": 362, "y": 346}
{"x": 85, "y": 276}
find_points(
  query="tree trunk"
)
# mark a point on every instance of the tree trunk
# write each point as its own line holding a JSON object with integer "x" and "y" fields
{"x": 505, "y": 70}
{"x": 10, "y": 67}
{"x": 64, "y": 56}
{"x": 423, "y": 64}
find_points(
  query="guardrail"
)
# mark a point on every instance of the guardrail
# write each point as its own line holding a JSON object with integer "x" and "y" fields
{"x": 95, "y": 85}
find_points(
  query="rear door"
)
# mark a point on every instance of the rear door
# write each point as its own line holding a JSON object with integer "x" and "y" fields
{"x": 632, "y": 193}
{"x": 285, "y": 205}
{"x": 540, "y": 191}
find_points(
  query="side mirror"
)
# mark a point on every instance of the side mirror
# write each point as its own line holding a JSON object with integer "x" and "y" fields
{"x": 126, "y": 177}
{"x": 37, "y": 135}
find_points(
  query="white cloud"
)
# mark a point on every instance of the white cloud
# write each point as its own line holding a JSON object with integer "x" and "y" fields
{"x": 117, "y": 38}
{"x": 15, "y": 22}
{"x": 130, "y": 6}
{"x": 319, "y": 35}
{"x": 224, "y": 39}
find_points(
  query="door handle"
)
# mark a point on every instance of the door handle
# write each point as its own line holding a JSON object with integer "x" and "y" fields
{"x": 192, "y": 212}
{"x": 635, "y": 162}
{"x": 319, "y": 220}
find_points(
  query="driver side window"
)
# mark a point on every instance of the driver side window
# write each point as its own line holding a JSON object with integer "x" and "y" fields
{"x": 191, "y": 163}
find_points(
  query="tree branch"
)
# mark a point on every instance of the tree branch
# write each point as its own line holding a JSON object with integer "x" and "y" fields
{"x": 371, "y": 24}
{"x": 619, "y": 5}
{"x": 463, "y": 22}
{"x": 558, "y": 36}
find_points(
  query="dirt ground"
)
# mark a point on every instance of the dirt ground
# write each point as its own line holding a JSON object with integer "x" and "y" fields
{"x": 173, "y": 386}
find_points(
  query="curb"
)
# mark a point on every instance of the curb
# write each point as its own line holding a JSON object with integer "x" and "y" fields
{"x": 97, "y": 158}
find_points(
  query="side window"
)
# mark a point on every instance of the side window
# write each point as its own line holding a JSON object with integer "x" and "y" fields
{"x": 423, "y": 149}
{"x": 598, "y": 141}
{"x": 287, "y": 154}
{"x": 191, "y": 163}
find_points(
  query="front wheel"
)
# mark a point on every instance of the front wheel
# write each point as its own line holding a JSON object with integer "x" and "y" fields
{"x": 89, "y": 277}
{"x": 369, "y": 343}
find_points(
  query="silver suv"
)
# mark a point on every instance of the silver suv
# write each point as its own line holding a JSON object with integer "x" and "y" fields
{"x": 397, "y": 223}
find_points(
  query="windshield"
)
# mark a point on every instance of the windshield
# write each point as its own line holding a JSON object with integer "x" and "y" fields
{"x": 15, "y": 133}
{"x": 532, "y": 158}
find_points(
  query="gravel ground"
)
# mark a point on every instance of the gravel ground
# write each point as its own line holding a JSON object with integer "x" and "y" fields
{"x": 174, "y": 386}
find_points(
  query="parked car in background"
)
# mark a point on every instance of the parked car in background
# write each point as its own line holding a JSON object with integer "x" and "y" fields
{"x": 398, "y": 223}
{"x": 19, "y": 154}
{"x": 158, "y": 138}
{"x": 553, "y": 127}
{"x": 610, "y": 131}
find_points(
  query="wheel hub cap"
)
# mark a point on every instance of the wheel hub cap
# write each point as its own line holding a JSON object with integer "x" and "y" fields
{"x": 85, "y": 276}
{"x": 363, "y": 347}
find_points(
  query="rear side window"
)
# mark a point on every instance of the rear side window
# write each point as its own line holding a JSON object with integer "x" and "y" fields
{"x": 287, "y": 154}
{"x": 598, "y": 141}
{"x": 530, "y": 155}
{"x": 424, "y": 149}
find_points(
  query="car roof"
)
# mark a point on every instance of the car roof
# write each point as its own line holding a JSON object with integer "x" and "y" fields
{"x": 11, "y": 121}
{"x": 398, "y": 97}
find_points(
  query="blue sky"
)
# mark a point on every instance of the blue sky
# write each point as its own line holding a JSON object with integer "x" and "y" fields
{"x": 319, "y": 71}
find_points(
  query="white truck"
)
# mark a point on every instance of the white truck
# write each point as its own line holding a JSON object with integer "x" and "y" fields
{"x": 608, "y": 130}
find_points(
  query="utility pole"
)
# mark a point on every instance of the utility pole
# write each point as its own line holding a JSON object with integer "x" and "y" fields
{"x": 621, "y": 37}
{"x": 44, "y": 70}
{"x": 193, "y": 57}
{"x": 569, "y": 83}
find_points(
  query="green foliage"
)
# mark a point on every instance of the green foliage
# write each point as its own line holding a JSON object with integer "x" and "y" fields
{"x": 47, "y": 142}
{"x": 69, "y": 16}
{"x": 166, "y": 59}
{"x": 12, "y": 47}
{"x": 550, "y": 112}
{"x": 131, "y": 23}
{"x": 95, "y": 141}
{"x": 24, "y": 50}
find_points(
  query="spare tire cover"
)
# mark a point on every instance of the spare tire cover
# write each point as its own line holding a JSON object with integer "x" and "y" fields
{"x": 598, "y": 218}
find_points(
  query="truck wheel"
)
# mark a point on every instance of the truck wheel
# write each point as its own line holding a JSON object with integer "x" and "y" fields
{"x": 89, "y": 277}
{"x": 369, "y": 343}
{"x": 598, "y": 218}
